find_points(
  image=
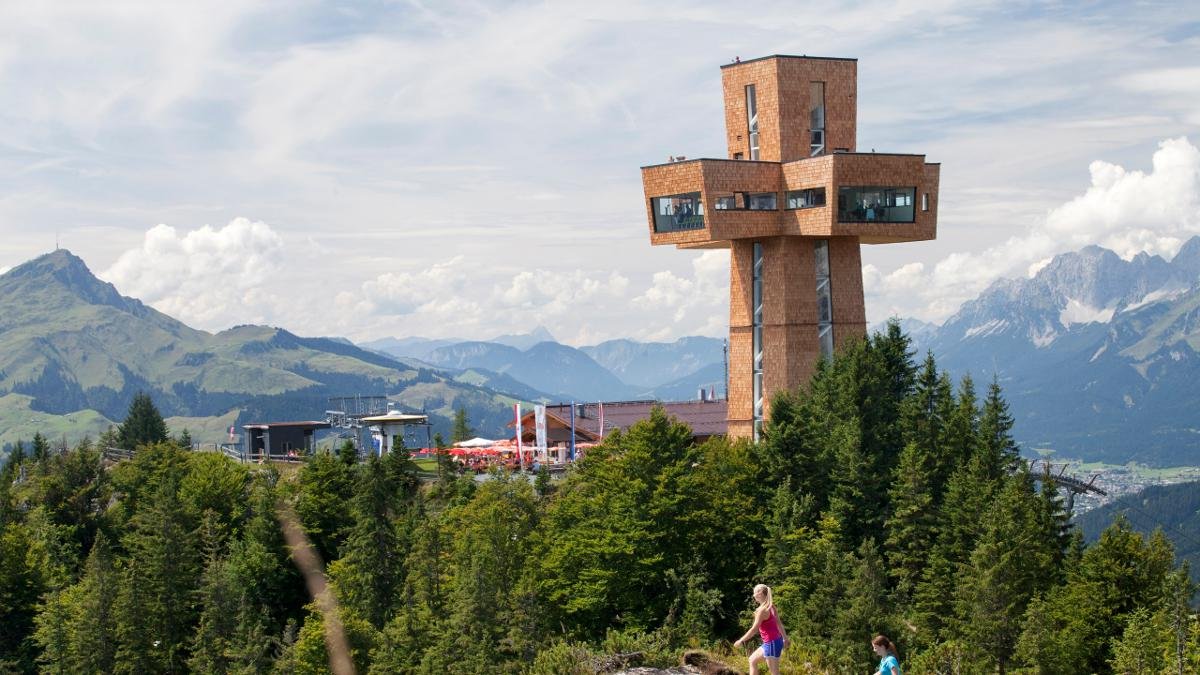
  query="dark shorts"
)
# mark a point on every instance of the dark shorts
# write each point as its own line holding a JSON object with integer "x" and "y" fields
{"x": 774, "y": 648}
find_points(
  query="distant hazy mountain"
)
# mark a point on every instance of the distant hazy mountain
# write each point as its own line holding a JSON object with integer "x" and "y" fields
{"x": 564, "y": 372}
{"x": 651, "y": 364}
{"x": 409, "y": 347}
{"x": 70, "y": 343}
{"x": 525, "y": 340}
{"x": 1097, "y": 355}
{"x": 613, "y": 370}
{"x": 711, "y": 378}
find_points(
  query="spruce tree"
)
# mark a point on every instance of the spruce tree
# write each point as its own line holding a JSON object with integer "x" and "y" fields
{"x": 218, "y": 598}
{"x": 371, "y": 569}
{"x": 911, "y": 528}
{"x": 1009, "y": 566}
{"x": 793, "y": 450}
{"x": 960, "y": 435}
{"x": 40, "y": 450}
{"x": 865, "y": 611}
{"x": 997, "y": 452}
{"x": 155, "y": 623}
{"x": 94, "y": 640}
{"x": 21, "y": 585}
{"x": 489, "y": 555}
{"x": 143, "y": 424}
{"x": 323, "y": 504}
{"x": 461, "y": 431}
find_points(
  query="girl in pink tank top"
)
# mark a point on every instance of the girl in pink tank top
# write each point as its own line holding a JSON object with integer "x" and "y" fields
{"x": 770, "y": 629}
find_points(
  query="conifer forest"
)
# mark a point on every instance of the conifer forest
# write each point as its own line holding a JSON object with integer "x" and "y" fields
{"x": 883, "y": 498}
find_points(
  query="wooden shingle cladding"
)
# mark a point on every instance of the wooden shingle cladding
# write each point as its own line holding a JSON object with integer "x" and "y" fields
{"x": 714, "y": 178}
{"x": 869, "y": 198}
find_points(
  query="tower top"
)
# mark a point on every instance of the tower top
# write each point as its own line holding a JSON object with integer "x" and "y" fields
{"x": 784, "y": 108}
{"x": 788, "y": 56}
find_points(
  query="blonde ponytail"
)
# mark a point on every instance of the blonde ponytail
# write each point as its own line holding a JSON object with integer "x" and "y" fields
{"x": 767, "y": 589}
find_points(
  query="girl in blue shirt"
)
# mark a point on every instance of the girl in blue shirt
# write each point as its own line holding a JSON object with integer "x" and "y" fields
{"x": 889, "y": 664}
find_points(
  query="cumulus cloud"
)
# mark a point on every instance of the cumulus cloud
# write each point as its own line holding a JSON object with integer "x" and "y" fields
{"x": 555, "y": 294}
{"x": 465, "y": 298}
{"x": 401, "y": 293}
{"x": 1127, "y": 211}
{"x": 696, "y": 304}
{"x": 208, "y": 277}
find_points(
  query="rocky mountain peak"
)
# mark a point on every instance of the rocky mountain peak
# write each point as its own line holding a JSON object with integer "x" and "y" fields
{"x": 1187, "y": 260}
{"x": 65, "y": 271}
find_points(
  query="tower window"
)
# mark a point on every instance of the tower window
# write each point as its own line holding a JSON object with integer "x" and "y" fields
{"x": 816, "y": 118}
{"x": 752, "y": 120}
{"x": 924, "y": 201}
{"x": 756, "y": 347}
{"x": 808, "y": 198}
{"x": 678, "y": 212}
{"x": 824, "y": 298}
{"x": 869, "y": 204}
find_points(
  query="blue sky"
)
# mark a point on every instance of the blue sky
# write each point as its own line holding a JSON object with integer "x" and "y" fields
{"x": 471, "y": 168}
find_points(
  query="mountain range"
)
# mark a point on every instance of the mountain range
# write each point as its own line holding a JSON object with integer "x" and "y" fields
{"x": 610, "y": 371}
{"x": 73, "y": 352}
{"x": 1097, "y": 355}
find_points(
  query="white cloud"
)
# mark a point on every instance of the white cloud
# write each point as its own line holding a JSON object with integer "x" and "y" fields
{"x": 401, "y": 293}
{"x": 700, "y": 301}
{"x": 1127, "y": 211}
{"x": 208, "y": 277}
{"x": 469, "y": 298}
{"x": 400, "y": 134}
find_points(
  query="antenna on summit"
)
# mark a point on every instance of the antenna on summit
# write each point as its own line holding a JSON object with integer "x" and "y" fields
{"x": 56, "y": 239}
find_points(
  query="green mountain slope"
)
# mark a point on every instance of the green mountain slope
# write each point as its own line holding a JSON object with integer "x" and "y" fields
{"x": 1174, "y": 508}
{"x": 70, "y": 343}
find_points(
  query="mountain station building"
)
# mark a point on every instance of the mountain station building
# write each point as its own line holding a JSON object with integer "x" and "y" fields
{"x": 793, "y": 202}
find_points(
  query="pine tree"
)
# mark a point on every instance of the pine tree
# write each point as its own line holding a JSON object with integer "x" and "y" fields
{"x": 896, "y": 357}
{"x": 461, "y": 431}
{"x": 865, "y": 612}
{"x": 490, "y": 550}
{"x": 855, "y": 500}
{"x": 40, "y": 449}
{"x": 793, "y": 450}
{"x": 371, "y": 570}
{"x": 911, "y": 528}
{"x": 997, "y": 452}
{"x": 21, "y": 585}
{"x": 961, "y": 432}
{"x": 109, "y": 438}
{"x": 185, "y": 439}
{"x": 55, "y": 623}
{"x": 925, "y": 414}
{"x": 218, "y": 597}
{"x": 155, "y": 621}
{"x": 1178, "y": 620}
{"x": 1009, "y": 566}
{"x": 94, "y": 639}
{"x": 326, "y": 489}
{"x": 143, "y": 424}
